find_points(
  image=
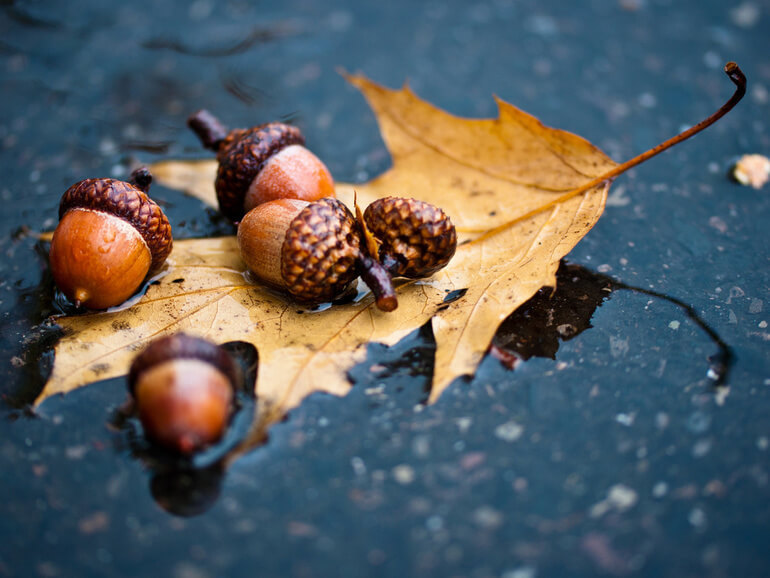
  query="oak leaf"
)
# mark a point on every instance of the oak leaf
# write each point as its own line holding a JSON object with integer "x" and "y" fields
{"x": 502, "y": 181}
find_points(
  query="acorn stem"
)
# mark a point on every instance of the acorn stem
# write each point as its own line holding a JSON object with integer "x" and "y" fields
{"x": 141, "y": 178}
{"x": 378, "y": 280}
{"x": 210, "y": 131}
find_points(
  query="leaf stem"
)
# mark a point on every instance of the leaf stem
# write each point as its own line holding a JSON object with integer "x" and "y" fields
{"x": 735, "y": 74}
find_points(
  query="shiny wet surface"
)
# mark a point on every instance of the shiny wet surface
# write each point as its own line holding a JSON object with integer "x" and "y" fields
{"x": 606, "y": 450}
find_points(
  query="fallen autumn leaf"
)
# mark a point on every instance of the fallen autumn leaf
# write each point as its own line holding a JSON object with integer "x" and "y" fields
{"x": 521, "y": 195}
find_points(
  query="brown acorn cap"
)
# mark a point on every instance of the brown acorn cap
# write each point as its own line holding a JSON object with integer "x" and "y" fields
{"x": 127, "y": 202}
{"x": 416, "y": 238}
{"x": 320, "y": 253}
{"x": 182, "y": 346}
{"x": 241, "y": 156}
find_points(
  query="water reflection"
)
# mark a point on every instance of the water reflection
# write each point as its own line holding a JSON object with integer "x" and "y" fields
{"x": 187, "y": 491}
{"x": 551, "y": 316}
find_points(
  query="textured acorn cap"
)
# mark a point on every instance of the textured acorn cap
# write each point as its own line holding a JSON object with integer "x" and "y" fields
{"x": 417, "y": 238}
{"x": 182, "y": 346}
{"x": 319, "y": 254}
{"x": 241, "y": 156}
{"x": 127, "y": 202}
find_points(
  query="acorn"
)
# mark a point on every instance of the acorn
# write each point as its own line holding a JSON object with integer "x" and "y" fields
{"x": 313, "y": 251}
{"x": 261, "y": 164}
{"x": 184, "y": 388}
{"x": 110, "y": 237}
{"x": 415, "y": 238}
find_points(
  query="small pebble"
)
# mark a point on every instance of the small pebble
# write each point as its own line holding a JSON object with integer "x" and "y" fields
{"x": 463, "y": 424}
{"x": 421, "y": 446}
{"x": 647, "y": 100}
{"x": 622, "y": 497}
{"x": 701, "y": 448}
{"x": 713, "y": 60}
{"x": 487, "y": 517}
{"x": 745, "y": 15}
{"x": 76, "y": 452}
{"x": 697, "y": 518}
{"x": 619, "y": 497}
{"x": 509, "y": 431}
{"x": 403, "y": 474}
{"x": 760, "y": 94}
{"x": 521, "y": 572}
{"x": 96, "y": 522}
{"x": 752, "y": 170}
{"x": 718, "y": 223}
{"x": 358, "y": 465}
{"x": 626, "y": 419}
{"x": 520, "y": 484}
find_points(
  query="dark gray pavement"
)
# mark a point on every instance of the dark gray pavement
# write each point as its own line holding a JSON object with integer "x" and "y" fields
{"x": 619, "y": 457}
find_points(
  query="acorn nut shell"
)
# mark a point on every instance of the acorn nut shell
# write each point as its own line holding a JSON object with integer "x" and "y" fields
{"x": 261, "y": 164}
{"x": 416, "y": 238}
{"x": 111, "y": 235}
{"x": 310, "y": 250}
{"x": 183, "y": 387}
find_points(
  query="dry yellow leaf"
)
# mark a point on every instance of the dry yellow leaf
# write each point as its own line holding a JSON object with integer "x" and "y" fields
{"x": 502, "y": 181}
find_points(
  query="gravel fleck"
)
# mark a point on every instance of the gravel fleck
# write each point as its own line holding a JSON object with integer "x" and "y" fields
{"x": 464, "y": 423}
{"x": 618, "y": 346}
{"x": 626, "y": 419}
{"x": 701, "y": 448}
{"x": 76, "y": 452}
{"x": 509, "y": 431}
{"x": 521, "y": 572}
{"x": 697, "y": 518}
{"x": 619, "y": 498}
{"x": 403, "y": 474}
{"x": 487, "y": 517}
{"x": 745, "y": 15}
